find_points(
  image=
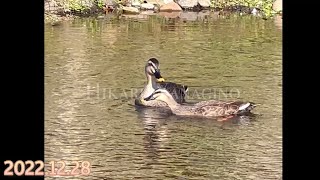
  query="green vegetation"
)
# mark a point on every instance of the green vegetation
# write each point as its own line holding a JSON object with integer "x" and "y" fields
{"x": 85, "y": 7}
{"x": 264, "y": 5}
{"x": 81, "y": 6}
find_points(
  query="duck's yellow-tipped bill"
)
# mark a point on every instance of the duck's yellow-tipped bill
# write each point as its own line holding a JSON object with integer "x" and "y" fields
{"x": 160, "y": 80}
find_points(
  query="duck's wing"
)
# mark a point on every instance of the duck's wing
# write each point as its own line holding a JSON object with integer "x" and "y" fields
{"x": 210, "y": 102}
{"x": 177, "y": 91}
{"x": 220, "y": 108}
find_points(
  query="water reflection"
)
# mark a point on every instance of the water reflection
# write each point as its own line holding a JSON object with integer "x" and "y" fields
{"x": 156, "y": 131}
{"x": 278, "y": 21}
{"x": 160, "y": 136}
{"x": 193, "y": 16}
{"x": 169, "y": 14}
{"x": 157, "y": 134}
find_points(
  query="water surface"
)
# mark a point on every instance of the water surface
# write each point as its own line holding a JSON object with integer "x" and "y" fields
{"x": 95, "y": 66}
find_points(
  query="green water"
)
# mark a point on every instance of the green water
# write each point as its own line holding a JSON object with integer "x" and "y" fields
{"x": 95, "y": 67}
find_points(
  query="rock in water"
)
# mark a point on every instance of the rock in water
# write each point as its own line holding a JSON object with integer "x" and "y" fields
{"x": 170, "y": 7}
{"x": 110, "y": 3}
{"x": 167, "y": 1}
{"x": 277, "y": 5}
{"x": 135, "y": 3}
{"x": 130, "y": 10}
{"x": 50, "y": 5}
{"x": 205, "y": 3}
{"x": 159, "y": 2}
{"x": 147, "y": 6}
{"x": 186, "y": 4}
{"x": 254, "y": 11}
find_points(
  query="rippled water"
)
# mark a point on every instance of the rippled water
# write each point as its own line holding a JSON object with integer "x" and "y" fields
{"x": 94, "y": 67}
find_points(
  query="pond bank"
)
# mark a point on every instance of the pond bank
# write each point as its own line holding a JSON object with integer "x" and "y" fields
{"x": 61, "y": 10}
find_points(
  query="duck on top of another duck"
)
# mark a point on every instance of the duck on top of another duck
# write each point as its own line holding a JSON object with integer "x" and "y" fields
{"x": 211, "y": 108}
{"x": 155, "y": 81}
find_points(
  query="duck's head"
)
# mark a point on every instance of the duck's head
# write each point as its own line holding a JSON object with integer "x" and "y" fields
{"x": 159, "y": 94}
{"x": 152, "y": 69}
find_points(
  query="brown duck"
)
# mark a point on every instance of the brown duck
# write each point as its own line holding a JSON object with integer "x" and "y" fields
{"x": 212, "y": 108}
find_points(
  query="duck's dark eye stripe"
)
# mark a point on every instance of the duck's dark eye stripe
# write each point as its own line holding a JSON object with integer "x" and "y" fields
{"x": 150, "y": 64}
{"x": 157, "y": 92}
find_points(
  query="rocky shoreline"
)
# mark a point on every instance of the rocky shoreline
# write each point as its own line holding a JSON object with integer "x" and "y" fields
{"x": 56, "y": 11}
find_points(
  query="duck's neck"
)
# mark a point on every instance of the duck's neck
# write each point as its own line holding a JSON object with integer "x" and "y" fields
{"x": 150, "y": 87}
{"x": 151, "y": 81}
{"x": 172, "y": 103}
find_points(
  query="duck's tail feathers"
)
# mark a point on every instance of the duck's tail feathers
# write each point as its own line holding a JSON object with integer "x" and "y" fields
{"x": 186, "y": 88}
{"x": 247, "y": 107}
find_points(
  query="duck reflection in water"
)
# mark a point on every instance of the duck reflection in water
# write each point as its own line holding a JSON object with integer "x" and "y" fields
{"x": 156, "y": 131}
